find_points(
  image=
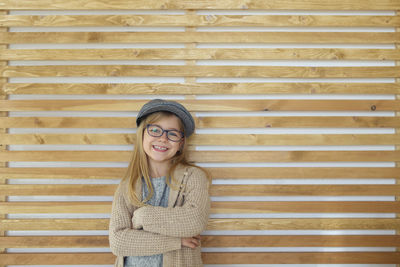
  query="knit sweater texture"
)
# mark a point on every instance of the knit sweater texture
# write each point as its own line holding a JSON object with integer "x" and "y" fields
{"x": 159, "y": 198}
{"x": 153, "y": 230}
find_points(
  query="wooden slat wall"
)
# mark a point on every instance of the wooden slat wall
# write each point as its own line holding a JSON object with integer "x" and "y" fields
{"x": 3, "y": 130}
{"x": 297, "y": 112}
{"x": 398, "y": 131}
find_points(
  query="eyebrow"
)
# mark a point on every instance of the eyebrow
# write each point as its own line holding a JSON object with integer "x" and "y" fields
{"x": 166, "y": 129}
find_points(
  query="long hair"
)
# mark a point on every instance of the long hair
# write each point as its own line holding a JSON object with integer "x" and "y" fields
{"x": 138, "y": 166}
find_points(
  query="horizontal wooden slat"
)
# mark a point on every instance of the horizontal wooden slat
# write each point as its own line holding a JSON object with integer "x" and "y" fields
{"x": 62, "y": 241}
{"x": 204, "y": 105}
{"x": 199, "y": 71}
{"x": 51, "y": 207}
{"x": 214, "y": 241}
{"x": 213, "y": 258}
{"x": 199, "y": 37}
{"x": 200, "y": 54}
{"x": 53, "y": 224}
{"x": 208, "y": 156}
{"x": 199, "y": 88}
{"x": 290, "y": 122}
{"x": 294, "y": 241}
{"x": 303, "y": 257}
{"x": 227, "y": 207}
{"x": 56, "y": 190}
{"x": 217, "y": 173}
{"x": 198, "y": 20}
{"x": 303, "y": 172}
{"x": 74, "y": 122}
{"x": 201, "y": 4}
{"x": 292, "y": 156}
{"x": 282, "y": 139}
{"x": 304, "y": 224}
{"x": 216, "y": 190}
{"x": 44, "y": 259}
{"x": 82, "y": 139}
{"x": 207, "y": 139}
{"x": 215, "y": 224}
{"x": 62, "y": 173}
{"x": 207, "y": 122}
{"x": 304, "y": 190}
{"x": 217, "y": 207}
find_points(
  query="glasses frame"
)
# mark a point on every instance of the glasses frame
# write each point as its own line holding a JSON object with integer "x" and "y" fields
{"x": 164, "y": 131}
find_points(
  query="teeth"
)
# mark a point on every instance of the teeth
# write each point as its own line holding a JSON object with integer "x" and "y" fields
{"x": 160, "y": 148}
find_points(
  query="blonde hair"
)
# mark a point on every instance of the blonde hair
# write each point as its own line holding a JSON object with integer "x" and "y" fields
{"x": 138, "y": 166}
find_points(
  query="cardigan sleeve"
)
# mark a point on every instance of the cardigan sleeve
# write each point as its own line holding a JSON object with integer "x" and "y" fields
{"x": 125, "y": 241}
{"x": 188, "y": 220}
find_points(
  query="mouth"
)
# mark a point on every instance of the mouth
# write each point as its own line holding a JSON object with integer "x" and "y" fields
{"x": 160, "y": 148}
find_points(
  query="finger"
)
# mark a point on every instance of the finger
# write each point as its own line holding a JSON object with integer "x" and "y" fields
{"x": 189, "y": 243}
{"x": 196, "y": 242}
{"x": 193, "y": 245}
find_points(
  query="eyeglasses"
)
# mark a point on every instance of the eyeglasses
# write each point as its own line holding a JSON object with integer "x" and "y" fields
{"x": 157, "y": 131}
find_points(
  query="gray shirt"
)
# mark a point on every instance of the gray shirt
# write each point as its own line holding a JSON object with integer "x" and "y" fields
{"x": 159, "y": 198}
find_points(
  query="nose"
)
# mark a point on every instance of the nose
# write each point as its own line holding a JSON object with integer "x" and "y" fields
{"x": 164, "y": 136}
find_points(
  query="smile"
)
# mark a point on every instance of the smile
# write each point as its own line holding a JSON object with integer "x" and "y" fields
{"x": 160, "y": 148}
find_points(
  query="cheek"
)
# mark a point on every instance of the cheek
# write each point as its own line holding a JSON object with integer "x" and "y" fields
{"x": 146, "y": 143}
{"x": 174, "y": 148}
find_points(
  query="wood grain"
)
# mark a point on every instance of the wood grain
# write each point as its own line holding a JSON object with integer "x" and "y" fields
{"x": 214, "y": 241}
{"x": 208, "y": 156}
{"x": 199, "y": 37}
{"x": 304, "y": 257}
{"x": 198, "y": 20}
{"x": 198, "y": 71}
{"x": 214, "y": 258}
{"x": 217, "y": 207}
{"x": 198, "y": 88}
{"x": 298, "y": 241}
{"x": 209, "y": 122}
{"x": 190, "y": 89}
{"x": 200, "y": 54}
{"x": 202, "y": 4}
{"x": 215, "y": 190}
{"x": 208, "y": 139}
{"x": 216, "y": 224}
{"x": 217, "y": 173}
{"x": 204, "y": 105}
{"x": 304, "y": 224}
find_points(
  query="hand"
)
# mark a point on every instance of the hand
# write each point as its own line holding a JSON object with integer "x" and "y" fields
{"x": 191, "y": 242}
{"x": 137, "y": 222}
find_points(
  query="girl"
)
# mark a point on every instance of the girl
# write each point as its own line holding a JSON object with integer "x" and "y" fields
{"x": 162, "y": 204}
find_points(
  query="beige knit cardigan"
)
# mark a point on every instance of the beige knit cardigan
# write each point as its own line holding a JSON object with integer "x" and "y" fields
{"x": 153, "y": 230}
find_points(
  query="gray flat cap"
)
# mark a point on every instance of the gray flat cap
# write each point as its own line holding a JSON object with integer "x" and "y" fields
{"x": 180, "y": 111}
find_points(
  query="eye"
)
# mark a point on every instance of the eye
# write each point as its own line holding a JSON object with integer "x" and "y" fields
{"x": 155, "y": 129}
{"x": 174, "y": 133}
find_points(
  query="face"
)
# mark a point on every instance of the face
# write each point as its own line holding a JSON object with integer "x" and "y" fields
{"x": 160, "y": 150}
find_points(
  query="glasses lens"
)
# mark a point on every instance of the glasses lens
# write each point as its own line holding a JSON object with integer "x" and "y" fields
{"x": 157, "y": 131}
{"x": 154, "y": 130}
{"x": 174, "y": 135}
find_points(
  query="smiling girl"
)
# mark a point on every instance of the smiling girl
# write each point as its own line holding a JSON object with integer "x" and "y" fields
{"x": 162, "y": 204}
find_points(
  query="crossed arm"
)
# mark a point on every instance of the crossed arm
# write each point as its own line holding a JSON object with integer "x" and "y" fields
{"x": 161, "y": 229}
{"x": 190, "y": 219}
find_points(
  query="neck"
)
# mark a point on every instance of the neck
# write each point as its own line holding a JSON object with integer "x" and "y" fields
{"x": 159, "y": 169}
